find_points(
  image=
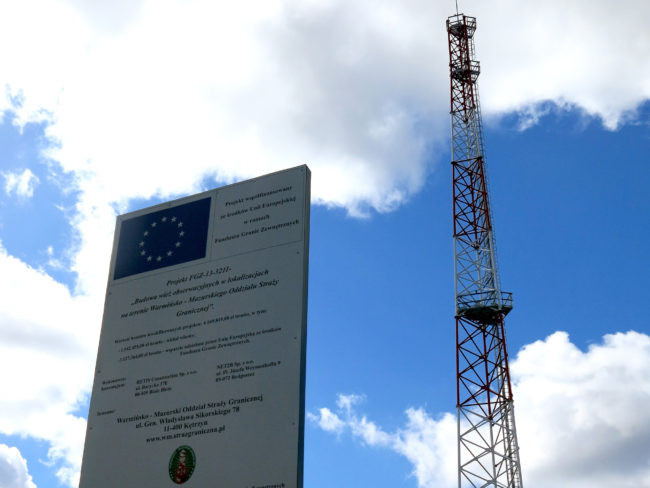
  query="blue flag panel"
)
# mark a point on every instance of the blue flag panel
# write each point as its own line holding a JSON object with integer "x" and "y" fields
{"x": 163, "y": 238}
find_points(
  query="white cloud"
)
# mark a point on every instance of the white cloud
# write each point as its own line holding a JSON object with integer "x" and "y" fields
{"x": 358, "y": 90}
{"x": 153, "y": 99}
{"x": 52, "y": 261}
{"x": 427, "y": 443}
{"x": 327, "y": 420}
{"x": 582, "y": 418}
{"x": 21, "y": 184}
{"x": 48, "y": 340}
{"x": 347, "y": 402}
{"x": 13, "y": 469}
{"x": 150, "y": 97}
{"x": 581, "y": 54}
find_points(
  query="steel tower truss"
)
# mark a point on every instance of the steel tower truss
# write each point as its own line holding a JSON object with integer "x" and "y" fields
{"x": 488, "y": 453}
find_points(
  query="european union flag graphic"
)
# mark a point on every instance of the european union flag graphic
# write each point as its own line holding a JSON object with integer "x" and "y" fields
{"x": 163, "y": 238}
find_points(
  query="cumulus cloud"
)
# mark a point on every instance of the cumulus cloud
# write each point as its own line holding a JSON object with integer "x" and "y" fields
{"x": 429, "y": 444}
{"x": 582, "y": 418}
{"x": 580, "y": 54}
{"x": 48, "y": 340}
{"x": 13, "y": 469}
{"x": 20, "y": 184}
{"x": 358, "y": 90}
{"x": 167, "y": 95}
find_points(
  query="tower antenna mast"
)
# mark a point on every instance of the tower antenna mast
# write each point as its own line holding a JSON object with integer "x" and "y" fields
{"x": 488, "y": 452}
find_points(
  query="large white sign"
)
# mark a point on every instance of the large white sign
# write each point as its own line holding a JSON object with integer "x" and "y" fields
{"x": 201, "y": 363}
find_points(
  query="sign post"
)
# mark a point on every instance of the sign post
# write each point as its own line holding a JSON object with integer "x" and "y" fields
{"x": 200, "y": 374}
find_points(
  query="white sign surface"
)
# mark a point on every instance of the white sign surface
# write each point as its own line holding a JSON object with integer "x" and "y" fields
{"x": 201, "y": 362}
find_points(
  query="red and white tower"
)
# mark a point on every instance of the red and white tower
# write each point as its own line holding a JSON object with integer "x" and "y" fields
{"x": 488, "y": 453}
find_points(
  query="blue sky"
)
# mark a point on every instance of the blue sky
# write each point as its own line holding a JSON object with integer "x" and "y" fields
{"x": 109, "y": 111}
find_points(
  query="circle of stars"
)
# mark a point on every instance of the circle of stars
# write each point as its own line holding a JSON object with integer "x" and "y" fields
{"x": 158, "y": 256}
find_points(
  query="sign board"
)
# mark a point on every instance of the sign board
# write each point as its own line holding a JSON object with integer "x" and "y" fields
{"x": 200, "y": 375}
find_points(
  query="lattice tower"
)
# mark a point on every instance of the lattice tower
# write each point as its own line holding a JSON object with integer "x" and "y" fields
{"x": 488, "y": 452}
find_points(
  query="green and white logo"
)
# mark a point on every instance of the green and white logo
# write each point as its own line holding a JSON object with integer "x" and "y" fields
{"x": 181, "y": 464}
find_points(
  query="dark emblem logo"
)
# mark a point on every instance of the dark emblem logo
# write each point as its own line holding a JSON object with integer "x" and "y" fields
{"x": 181, "y": 464}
